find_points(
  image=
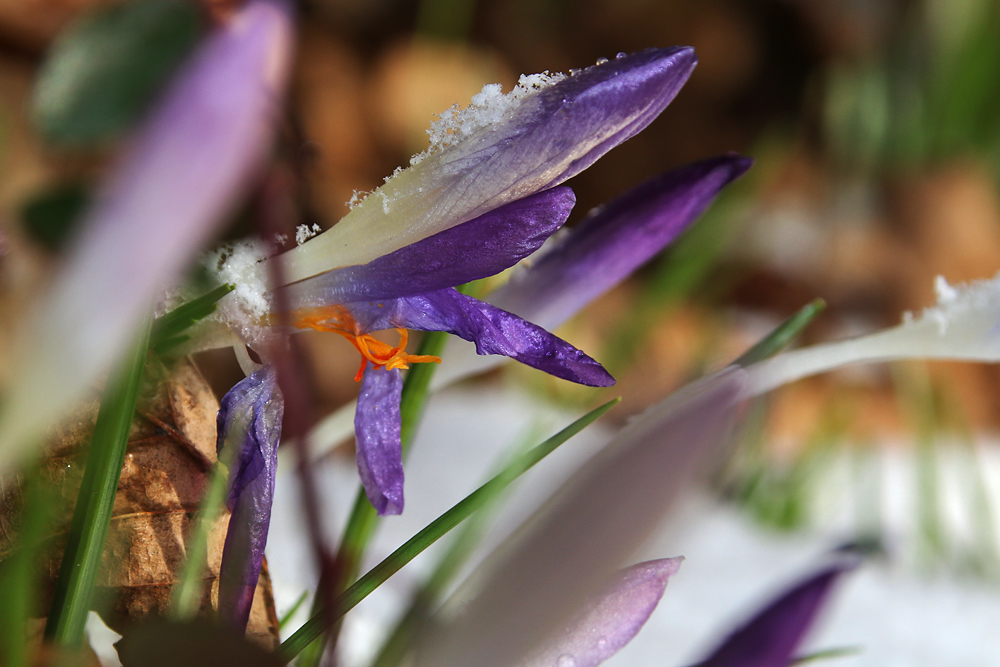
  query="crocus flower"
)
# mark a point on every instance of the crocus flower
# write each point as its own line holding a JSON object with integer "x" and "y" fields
{"x": 250, "y": 419}
{"x": 772, "y": 635}
{"x": 593, "y": 257}
{"x": 182, "y": 172}
{"x": 482, "y": 198}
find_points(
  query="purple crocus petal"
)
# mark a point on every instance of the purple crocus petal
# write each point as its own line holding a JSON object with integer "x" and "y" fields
{"x": 566, "y": 553}
{"x": 377, "y": 428}
{"x": 494, "y": 331}
{"x": 184, "y": 170}
{"x": 476, "y": 249}
{"x": 249, "y": 418}
{"x": 518, "y": 146}
{"x": 615, "y": 240}
{"x": 612, "y": 620}
{"x": 772, "y": 636}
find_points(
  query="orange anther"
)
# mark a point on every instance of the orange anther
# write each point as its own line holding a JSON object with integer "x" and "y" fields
{"x": 381, "y": 355}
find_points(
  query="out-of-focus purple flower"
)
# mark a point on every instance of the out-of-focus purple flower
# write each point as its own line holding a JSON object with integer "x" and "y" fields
{"x": 250, "y": 419}
{"x": 771, "y": 637}
{"x": 567, "y": 552}
{"x": 503, "y": 149}
{"x": 610, "y": 621}
{"x": 183, "y": 171}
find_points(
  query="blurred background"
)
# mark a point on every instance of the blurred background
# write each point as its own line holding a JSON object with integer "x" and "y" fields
{"x": 876, "y": 134}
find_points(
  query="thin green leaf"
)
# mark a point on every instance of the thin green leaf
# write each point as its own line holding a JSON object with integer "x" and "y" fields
{"x": 783, "y": 335}
{"x": 105, "y": 70}
{"x": 187, "y": 593}
{"x": 92, "y": 515}
{"x": 168, "y": 328}
{"x": 287, "y": 616}
{"x": 375, "y": 577}
{"x": 432, "y": 591}
{"x": 827, "y": 654}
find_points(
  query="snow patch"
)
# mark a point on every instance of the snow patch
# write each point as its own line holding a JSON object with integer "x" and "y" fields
{"x": 246, "y": 308}
{"x": 304, "y": 232}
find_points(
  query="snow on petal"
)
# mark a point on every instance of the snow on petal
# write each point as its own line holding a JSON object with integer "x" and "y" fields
{"x": 250, "y": 419}
{"x": 610, "y": 621}
{"x": 533, "y": 142}
{"x": 379, "y": 454}
{"x": 566, "y": 553}
{"x": 772, "y": 635}
{"x": 964, "y": 325}
{"x": 170, "y": 191}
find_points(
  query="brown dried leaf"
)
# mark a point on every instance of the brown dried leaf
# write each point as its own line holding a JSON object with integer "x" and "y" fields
{"x": 170, "y": 454}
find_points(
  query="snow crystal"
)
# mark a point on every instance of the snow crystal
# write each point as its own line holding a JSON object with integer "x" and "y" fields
{"x": 980, "y": 296}
{"x": 304, "y": 232}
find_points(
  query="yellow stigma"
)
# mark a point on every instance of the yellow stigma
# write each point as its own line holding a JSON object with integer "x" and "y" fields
{"x": 381, "y": 355}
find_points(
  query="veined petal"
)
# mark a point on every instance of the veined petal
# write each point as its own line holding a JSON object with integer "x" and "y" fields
{"x": 377, "y": 426}
{"x": 611, "y": 620}
{"x": 167, "y": 195}
{"x": 771, "y": 637}
{"x": 476, "y": 249}
{"x": 249, "y": 418}
{"x": 535, "y": 140}
{"x": 565, "y": 554}
{"x": 615, "y": 240}
{"x": 494, "y": 331}
{"x": 602, "y": 251}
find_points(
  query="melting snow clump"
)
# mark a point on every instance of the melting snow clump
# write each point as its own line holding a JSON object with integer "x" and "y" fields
{"x": 245, "y": 308}
{"x": 486, "y": 108}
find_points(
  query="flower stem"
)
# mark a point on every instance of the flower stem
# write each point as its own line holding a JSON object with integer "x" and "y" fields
{"x": 92, "y": 515}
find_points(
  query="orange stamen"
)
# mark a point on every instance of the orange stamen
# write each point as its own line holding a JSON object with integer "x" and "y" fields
{"x": 338, "y": 320}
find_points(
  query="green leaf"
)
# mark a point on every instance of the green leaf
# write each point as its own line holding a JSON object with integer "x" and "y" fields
{"x": 783, "y": 335}
{"x": 168, "y": 329}
{"x": 50, "y": 216}
{"x": 105, "y": 70}
{"x": 437, "y": 529}
{"x": 92, "y": 515}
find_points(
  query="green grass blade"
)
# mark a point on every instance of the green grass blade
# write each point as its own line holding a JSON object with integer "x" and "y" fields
{"x": 783, "y": 335}
{"x": 92, "y": 514}
{"x": 168, "y": 329}
{"x": 375, "y": 577}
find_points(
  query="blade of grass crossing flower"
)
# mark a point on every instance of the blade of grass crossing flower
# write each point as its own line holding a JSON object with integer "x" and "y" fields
{"x": 313, "y": 628}
{"x": 92, "y": 514}
{"x": 363, "y": 519}
{"x": 783, "y": 335}
{"x": 398, "y": 643}
{"x": 168, "y": 329}
{"x": 187, "y": 594}
{"x": 20, "y": 587}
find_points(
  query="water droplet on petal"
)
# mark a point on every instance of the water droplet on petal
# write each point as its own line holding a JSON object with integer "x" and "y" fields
{"x": 602, "y": 643}
{"x": 601, "y": 61}
{"x": 573, "y": 71}
{"x": 621, "y": 54}
{"x": 566, "y": 660}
